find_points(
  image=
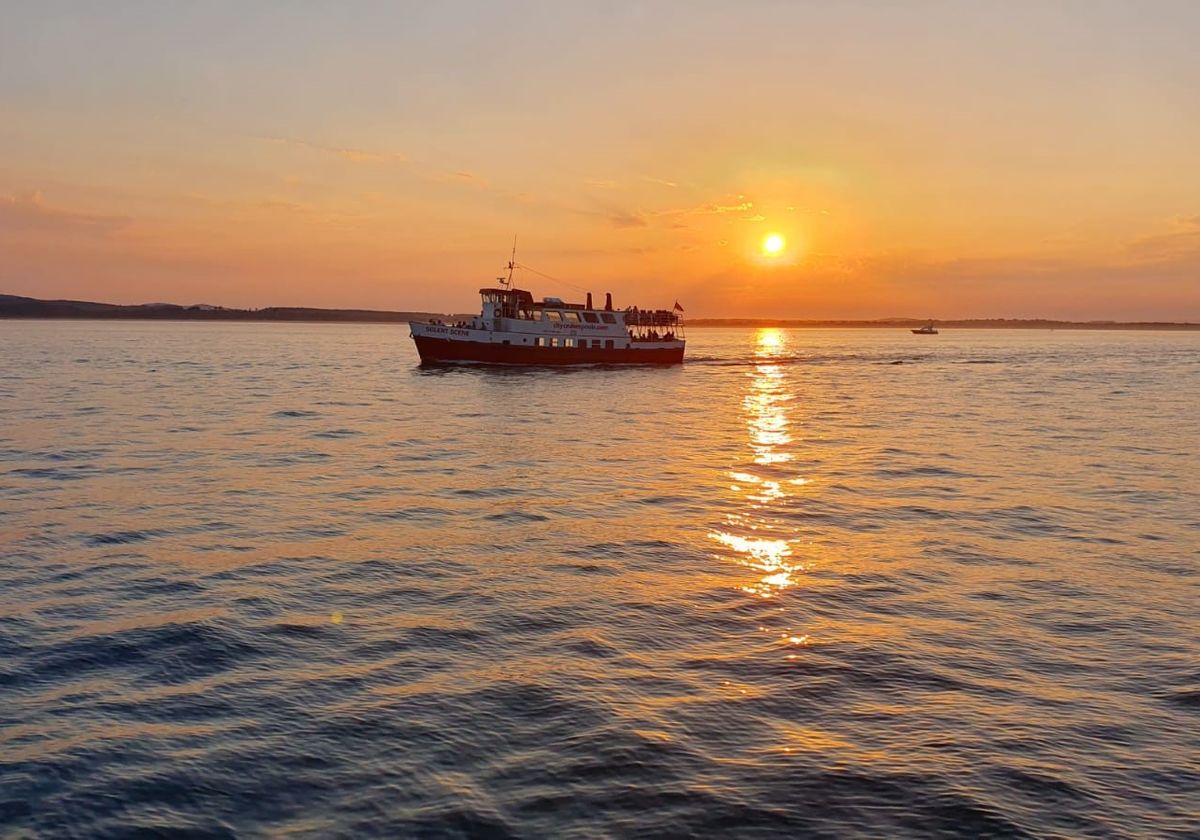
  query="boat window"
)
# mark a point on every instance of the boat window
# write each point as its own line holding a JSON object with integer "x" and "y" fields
{"x": 553, "y": 341}
{"x": 596, "y": 342}
{"x": 568, "y": 342}
{"x": 571, "y": 316}
{"x": 607, "y": 318}
{"x": 590, "y": 317}
{"x": 553, "y": 314}
{"x": 608, "y": 344}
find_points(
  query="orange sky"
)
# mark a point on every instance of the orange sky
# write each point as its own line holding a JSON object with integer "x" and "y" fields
{"x": 923, "y": 159}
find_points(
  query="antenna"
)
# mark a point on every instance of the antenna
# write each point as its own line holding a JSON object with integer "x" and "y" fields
{"x": 512, "y": 264}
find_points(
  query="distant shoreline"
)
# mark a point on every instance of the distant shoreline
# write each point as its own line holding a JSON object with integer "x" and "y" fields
{"x": 13, "y": 307}
{"x": 958, "y": 324}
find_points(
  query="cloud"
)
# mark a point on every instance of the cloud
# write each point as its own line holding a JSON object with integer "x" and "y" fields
{"x": 659, "y": 181}
{"x": 363, "y": 156}
{"x": 759, "y": 217}
{"x": 519, "y": 197}
{"x": 708, "y": 209}
{"x": 275, "y": 204}
{"x": 28, "y": 211}
{"x": 615, "y": 215}
{"x": 600, "y": 184}
{"x": 343, "y": 153}
{"x": 642, "y": 219}
{"x": 624, "y": 219}
{"x": 1180, "y": 240}
{"x": 462, "y": 177}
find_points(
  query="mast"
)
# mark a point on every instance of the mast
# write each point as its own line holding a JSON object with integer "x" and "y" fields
{"x": 512, "y": 263}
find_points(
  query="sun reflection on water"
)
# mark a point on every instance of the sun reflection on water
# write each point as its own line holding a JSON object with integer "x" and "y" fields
{"x": 767, "y": 409}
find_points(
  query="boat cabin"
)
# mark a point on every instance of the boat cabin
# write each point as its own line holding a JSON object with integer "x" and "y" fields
{"x": 506, "y": 303}
{"x": 552, "y": 313}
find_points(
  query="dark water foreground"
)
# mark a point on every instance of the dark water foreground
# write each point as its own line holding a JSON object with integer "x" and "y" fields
{"x": 274, "y": 580}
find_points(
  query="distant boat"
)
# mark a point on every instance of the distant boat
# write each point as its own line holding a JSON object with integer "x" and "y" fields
{"x": 928, "y": 329}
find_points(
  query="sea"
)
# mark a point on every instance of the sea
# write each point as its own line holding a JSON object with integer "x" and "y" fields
{"x": 279, "y": 580}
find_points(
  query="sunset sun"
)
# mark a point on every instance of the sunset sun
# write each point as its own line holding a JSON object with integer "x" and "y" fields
{"x": 773, "y": 244}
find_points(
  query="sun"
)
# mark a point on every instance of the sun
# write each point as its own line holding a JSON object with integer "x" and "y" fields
{"x": 773, "y": 244}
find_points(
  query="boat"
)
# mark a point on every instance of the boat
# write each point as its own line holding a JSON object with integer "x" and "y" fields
{"x": 928, "y": 329}
{"x": 514, "y": 329}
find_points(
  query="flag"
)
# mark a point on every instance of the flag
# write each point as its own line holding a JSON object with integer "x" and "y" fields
{"x": 678, "y": 307}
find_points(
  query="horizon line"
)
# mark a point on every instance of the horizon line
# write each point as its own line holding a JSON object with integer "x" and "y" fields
{"x": 20, "y": 306}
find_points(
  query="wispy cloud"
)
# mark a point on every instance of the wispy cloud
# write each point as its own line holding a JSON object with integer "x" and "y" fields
{"x": 723, "y": 208}
{"x": 628, "y": 220}
{"x": 344, "y": 153}
{"x": 295, "y": 206}
{"x": 708, "y": 209}
{"x": 461, "y": 176}
{"x": 660, "y": 181}
{"x": 672, "y": 217}
{"x": 1180, "y": 239}
{"x": 29, "y": 211}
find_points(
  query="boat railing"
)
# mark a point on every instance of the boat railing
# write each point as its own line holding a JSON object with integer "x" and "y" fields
{"x": 651, "y": 318}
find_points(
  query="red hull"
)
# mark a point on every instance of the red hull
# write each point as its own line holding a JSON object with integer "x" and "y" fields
{"x": 440, "y": 350}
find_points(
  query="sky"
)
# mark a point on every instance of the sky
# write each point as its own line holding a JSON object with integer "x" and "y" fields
{"x": 921, "y": 159}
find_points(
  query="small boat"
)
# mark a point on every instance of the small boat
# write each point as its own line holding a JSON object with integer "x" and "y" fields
{"x": 514, "y": 329}
{"x": 928, "y": 329}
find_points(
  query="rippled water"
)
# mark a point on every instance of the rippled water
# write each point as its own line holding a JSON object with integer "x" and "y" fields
{"x": 275, "y": 579}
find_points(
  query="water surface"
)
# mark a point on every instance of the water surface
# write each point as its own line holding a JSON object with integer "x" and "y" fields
{"x": 269, "y": 579}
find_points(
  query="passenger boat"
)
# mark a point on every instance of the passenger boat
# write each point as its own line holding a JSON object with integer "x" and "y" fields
{"x": 514, "y": 329}
{"x": 928, "y": 329}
